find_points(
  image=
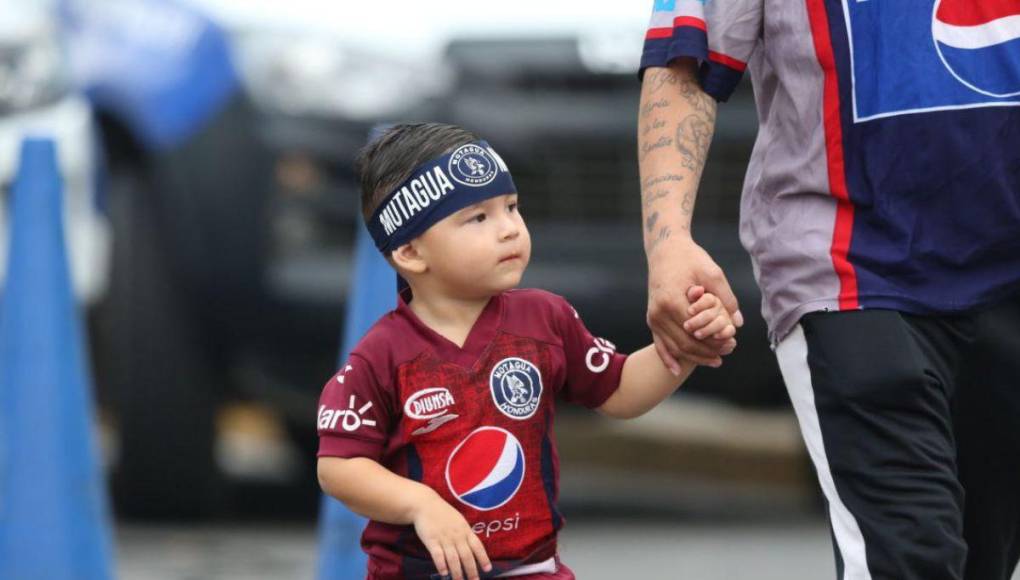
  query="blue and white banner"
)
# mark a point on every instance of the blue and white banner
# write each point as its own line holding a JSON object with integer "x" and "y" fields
{"x": 912, "y": 56}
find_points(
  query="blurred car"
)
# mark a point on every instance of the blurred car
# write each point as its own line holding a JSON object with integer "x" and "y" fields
{"x": 38, "y": 100}
{"x": 230, "y": 127}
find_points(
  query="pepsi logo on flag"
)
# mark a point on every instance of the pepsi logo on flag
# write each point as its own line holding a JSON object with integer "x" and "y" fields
{"x": 486, "y": 469}
{"x": 978, "y": 41}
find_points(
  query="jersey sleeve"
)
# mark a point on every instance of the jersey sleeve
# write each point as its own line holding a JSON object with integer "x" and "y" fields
{"x": 355, "y": 413}
{"x": 593, "y": 367}
{"x": 721, "y": 34}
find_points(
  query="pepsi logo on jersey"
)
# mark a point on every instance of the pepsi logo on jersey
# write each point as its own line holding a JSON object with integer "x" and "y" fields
{"x": 979, "y": 43}
{"x": 486, "y": 469}
{"x": 495, "y": 526}
{"x": 516, "y": 387}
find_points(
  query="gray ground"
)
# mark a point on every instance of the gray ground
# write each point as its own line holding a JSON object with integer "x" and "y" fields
{"x": 595, "y": 549}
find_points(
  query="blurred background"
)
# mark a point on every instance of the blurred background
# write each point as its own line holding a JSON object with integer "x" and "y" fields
{"x": 206, "y": 151}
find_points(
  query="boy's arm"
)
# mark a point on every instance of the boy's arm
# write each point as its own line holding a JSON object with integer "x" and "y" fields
{"x": 369, "y": 489}
{"x": 373, "y": 491}
{"x": 645, "y": 383}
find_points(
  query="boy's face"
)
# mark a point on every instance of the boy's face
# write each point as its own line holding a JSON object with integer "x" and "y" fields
{"x": 480, "y": 250}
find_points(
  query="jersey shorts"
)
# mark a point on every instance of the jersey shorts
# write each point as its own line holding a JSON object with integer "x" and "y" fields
{"x": 474, "y": 423}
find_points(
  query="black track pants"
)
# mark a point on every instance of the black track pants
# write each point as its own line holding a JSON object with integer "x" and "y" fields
{"x": 913, "y": 425}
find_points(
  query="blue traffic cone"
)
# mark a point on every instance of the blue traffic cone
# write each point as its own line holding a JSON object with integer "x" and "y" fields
{"x": 373, "y": 293}
{"x": 54, "y": 518}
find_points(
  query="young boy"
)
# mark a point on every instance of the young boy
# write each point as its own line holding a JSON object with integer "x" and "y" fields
{"x": 439, "y": 427}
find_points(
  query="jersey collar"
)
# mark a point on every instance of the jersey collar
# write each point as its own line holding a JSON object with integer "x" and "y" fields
{"x": 478, "y": 339}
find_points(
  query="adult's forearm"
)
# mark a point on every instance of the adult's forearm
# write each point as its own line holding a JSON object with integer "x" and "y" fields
{"x": 676, "y": 122}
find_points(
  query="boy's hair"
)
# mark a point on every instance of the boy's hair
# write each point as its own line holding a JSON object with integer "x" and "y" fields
{"x": 393, "y": 156}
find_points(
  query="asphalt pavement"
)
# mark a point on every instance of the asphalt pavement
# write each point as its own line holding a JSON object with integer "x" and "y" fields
{"x": 596, "y": 549}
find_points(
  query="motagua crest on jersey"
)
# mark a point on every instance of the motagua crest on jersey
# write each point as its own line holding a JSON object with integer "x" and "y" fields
{"x": 486, "y": 469}
{"x": 472, "y": 165}
{"x": 516, "y": 387}
{"x": 978, "y": 41}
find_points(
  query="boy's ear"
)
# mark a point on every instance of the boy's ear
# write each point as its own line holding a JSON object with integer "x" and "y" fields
{"x": 407, "y": 257}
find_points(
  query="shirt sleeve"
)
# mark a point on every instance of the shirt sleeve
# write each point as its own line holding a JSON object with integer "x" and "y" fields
{"x": 721, "y": 34}
{"x": 593, "y": 365}
{"x": 354, "y": 413}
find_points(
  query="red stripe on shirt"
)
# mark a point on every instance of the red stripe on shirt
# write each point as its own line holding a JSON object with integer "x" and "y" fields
{"x": 843, "y": 230}
{"x": 658, "y": 33}
{"x": 737, "y": 65}
{"x": 689, "y": 21}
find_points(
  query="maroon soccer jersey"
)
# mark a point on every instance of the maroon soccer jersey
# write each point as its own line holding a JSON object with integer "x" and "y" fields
{"x": 474, "y": 423}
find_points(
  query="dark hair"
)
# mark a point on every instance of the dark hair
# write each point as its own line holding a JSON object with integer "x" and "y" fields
{"x": 393, "y": 156}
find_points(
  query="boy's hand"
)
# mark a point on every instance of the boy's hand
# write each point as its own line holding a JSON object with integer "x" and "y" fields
{"x": 449, "y": 539}
{"x": 708, "y": 316}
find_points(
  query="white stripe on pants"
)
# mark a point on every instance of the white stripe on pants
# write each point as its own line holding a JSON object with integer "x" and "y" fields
{"x": 792, "y": 356}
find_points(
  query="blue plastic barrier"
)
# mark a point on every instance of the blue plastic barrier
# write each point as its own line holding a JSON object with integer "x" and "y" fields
{"x": 54, "y": 516}
{"x": 373, "y": 293}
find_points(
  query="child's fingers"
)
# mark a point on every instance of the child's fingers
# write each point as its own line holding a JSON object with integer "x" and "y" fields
{"x": 467, "y": 559}
{"x": 717, "y": 324}
{"x": 438, "y": 557}
{"x": 479, "y": 550}
{"x": 696, "y": 323}
{"x": 694, "y": 293}
{"x": 702, "y": 304}
{"x": 453, "y": 561}
{"x": 729, "y": 332}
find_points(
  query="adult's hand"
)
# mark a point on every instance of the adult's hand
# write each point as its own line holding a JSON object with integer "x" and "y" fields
{"x": 676, "y": 265}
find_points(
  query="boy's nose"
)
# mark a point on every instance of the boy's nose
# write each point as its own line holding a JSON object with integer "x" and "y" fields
{"x": 510, "y": 231}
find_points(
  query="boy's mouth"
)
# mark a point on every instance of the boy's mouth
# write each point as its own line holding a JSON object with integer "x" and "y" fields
{"x": 508, "y": 257}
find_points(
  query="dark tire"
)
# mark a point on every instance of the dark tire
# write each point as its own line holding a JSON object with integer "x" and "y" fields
{"x": 153, "y": 369}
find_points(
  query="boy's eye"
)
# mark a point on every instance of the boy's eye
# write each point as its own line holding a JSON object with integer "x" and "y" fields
{"x": 480, "y": 217}
{"x": 512, "y": 206}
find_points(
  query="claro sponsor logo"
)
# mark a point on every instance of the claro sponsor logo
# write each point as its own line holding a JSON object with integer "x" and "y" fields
{"x": 350, "y": 419}
{"x": 599, "y": 356}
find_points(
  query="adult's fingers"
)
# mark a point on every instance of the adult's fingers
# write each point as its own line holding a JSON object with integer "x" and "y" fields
{"x": 479, "y": 550}
{"x": 697, "y": 353}
{"x": 665, "y": 355}
{"x": 723, "y": 346}
{"x": 681, "y": 344}
{"x": 720, "y": 286}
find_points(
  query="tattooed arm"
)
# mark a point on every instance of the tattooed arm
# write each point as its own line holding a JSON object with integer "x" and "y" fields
{"x": 675, "y": 126}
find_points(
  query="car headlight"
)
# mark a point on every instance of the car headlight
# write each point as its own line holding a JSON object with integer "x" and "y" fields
{"x": 32, "y": 70}
{"x": 320, "y": 76}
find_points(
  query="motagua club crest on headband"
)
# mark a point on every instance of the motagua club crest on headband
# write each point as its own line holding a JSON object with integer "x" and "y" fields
{"x": 442, "y": 186}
